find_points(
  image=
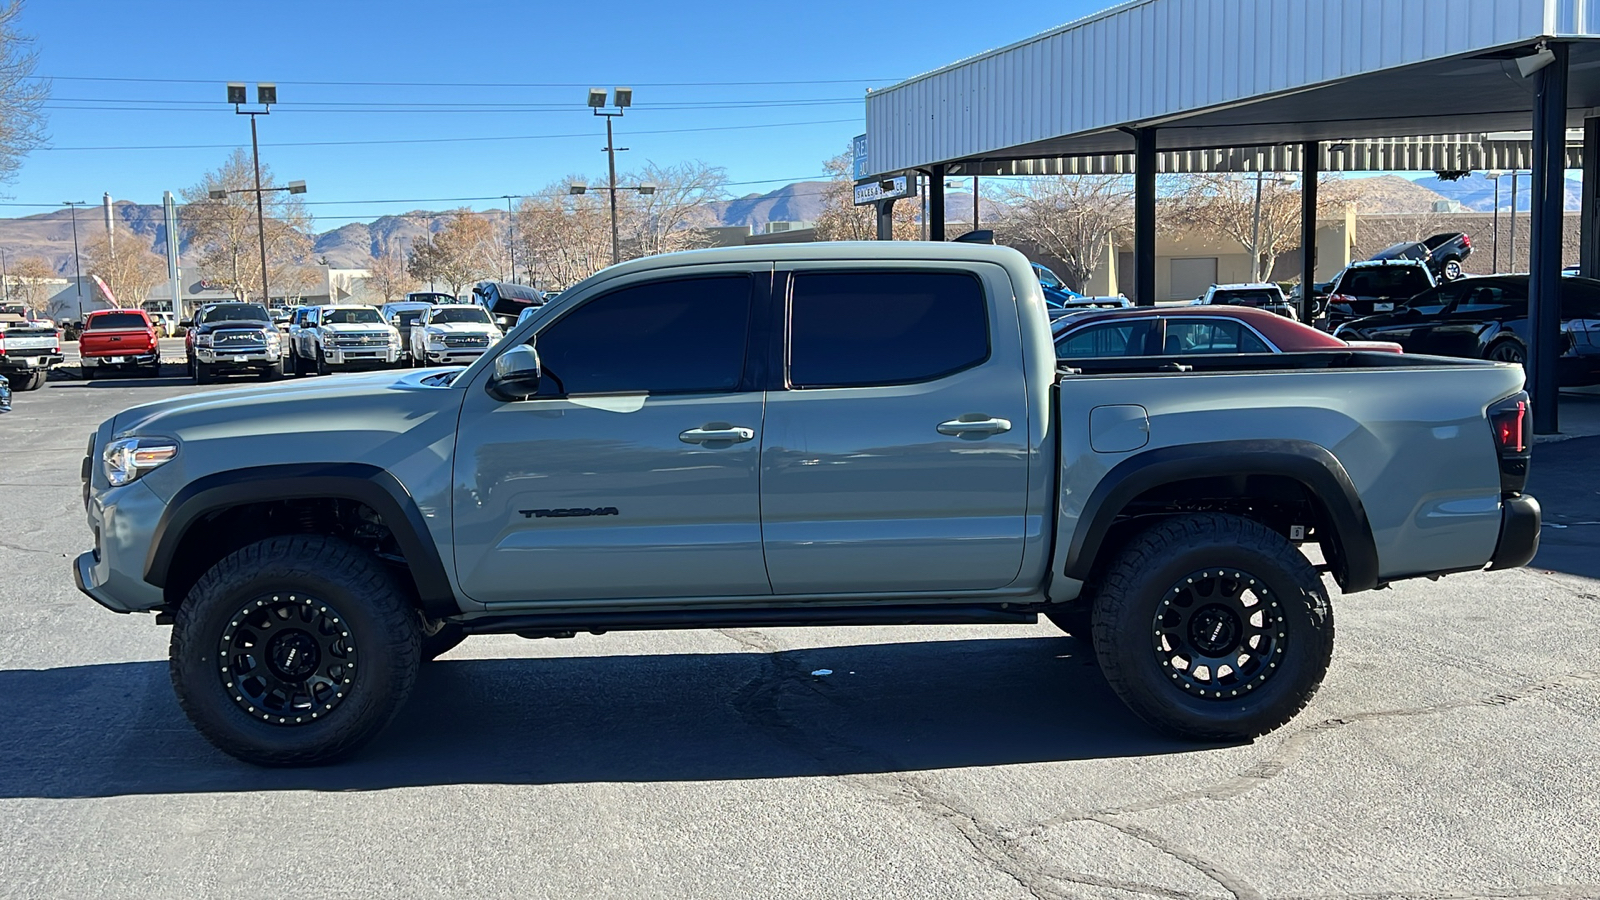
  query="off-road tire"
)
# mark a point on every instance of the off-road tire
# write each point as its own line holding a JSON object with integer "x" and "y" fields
{"x": 447, "y": 638}
{"x": 1134, "y": 588}
{"x": 382, "y": 626}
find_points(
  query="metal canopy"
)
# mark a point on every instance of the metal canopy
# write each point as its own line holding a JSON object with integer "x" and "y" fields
{"x": 1433, "y": 153}
{"x": 1236, "y": 73}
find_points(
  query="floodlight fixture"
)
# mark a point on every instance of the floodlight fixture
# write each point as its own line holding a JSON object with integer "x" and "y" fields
{"x": 217, "y": 194}
{"x": 647, "y": 189}
{"x": 236, "y": 93}
{"x": 886, "y": 184}
{"x": 623, "y": 96}
{"x": 1541, "y": 57}
{"x": 597, "y": 98}
{"x": 297, "y": 187}
{"x": 266, "y": 93}
{"x": 578, "y": 187}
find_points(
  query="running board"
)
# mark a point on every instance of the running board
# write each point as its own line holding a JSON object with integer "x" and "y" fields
{"x": 568, "y": 623}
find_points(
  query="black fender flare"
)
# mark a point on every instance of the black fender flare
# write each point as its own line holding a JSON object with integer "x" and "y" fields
{"x": 367, "y": 484}
{"x": 1309, "y": 464}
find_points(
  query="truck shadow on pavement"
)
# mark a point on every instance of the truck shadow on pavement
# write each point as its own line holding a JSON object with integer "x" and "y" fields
{"x": 1563, "y": 478}
{"x": 115, "y": 729}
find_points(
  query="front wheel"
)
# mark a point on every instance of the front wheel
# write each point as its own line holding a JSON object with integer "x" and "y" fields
{"x": 203, "y": 373}
{"x": 1212, "y": 627}
{"x": 294, "y": 651}
{"x": 322, "y": 362}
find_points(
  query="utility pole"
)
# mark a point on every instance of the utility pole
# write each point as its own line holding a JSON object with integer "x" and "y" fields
{"x": 77, "y": 261}
{"x": 5, "y": 277}
{"x": 511, "y": 248}
{"x": 1255, "y": 234}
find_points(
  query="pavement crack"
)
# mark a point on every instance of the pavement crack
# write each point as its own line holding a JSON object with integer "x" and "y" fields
{"x": 20, "y": 549}
{"x": 1229, "y": 881}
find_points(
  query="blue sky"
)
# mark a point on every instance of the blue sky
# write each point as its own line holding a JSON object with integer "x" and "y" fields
{"x": 188, "y": 49}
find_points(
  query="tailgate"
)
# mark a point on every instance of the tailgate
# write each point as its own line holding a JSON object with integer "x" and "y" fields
{"x": 115, "y": 341}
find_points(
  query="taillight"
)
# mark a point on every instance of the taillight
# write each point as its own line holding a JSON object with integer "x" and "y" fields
{"x": 1341, "y": 298}
{"x": 1508, "y": 422}
{"x": 1466, "y": 241}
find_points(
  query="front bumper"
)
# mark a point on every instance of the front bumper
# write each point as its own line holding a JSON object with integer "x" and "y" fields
{"x": 455, "y": 356}
{"x": 1519, "y": 533}
{"x": 250, "y": 359}
{"x": 354, "y": 356}
{"x": 123, "y": 521}
{"x": 22, "y": 361}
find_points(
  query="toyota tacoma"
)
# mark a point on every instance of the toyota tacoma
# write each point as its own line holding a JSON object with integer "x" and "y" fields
{"x": 805, "y": 435}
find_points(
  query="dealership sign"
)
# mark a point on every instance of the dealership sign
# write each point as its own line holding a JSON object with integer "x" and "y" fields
{"x": 896, "y": 188}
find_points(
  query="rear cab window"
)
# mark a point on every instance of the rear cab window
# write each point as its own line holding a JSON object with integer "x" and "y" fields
{"x": 1397, "y": 282}
{"x": 109, "y": 321}
{"x": 878, "y": 328}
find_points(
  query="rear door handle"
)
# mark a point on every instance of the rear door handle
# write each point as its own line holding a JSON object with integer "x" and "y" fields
{"x": 717, "y": 432}
{"x": 975, "y": 426}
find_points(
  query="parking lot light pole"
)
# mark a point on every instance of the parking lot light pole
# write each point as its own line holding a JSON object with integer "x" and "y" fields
{"x": 266, "y": 95}
{"x": 511, "y": 244}
{"x": 623, "y": 98}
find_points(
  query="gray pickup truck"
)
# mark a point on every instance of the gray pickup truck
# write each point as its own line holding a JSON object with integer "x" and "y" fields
{"x": 820, "y": 434}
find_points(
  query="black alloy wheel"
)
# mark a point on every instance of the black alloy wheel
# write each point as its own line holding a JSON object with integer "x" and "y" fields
{"x": 1508, "y": 351}
{"x": 1219, "y": 633}
{"x": 287, "y": 659}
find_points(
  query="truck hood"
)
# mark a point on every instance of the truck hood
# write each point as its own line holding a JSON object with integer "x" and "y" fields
{"x": 285, "y": 407}
{"x": 345, "y": 327}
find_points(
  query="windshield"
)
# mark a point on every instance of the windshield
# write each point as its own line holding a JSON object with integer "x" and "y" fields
{"x": 410, "y": 316}
{"x": 1384, "y": 281}
{"x": 1047, "y": 277}
{"x": 365, "y": 315}
{"x": 427, "y": 297}
{"x": 476, "y": 315}
{"x": 116, "y": 320}
{"x": 236, "y": 312}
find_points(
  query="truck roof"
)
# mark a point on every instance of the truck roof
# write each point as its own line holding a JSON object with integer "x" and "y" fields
{"x": 876, "y": 251}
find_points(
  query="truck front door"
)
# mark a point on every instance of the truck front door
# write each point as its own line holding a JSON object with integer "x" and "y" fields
{"x": 633, "y": 473}
{"x": 896, "y": 452}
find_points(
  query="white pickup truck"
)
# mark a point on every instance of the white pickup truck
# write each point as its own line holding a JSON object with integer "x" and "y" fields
{"x": 792, "y": 435}
{"x": 28, "y": 350}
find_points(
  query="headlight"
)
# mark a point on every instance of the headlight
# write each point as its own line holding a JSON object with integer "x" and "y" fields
{"x": 202, "y": 340}
{"x": 125, "y": 459}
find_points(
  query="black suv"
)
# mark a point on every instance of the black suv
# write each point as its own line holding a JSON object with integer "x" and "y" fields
{"x": 1376, "y": 286}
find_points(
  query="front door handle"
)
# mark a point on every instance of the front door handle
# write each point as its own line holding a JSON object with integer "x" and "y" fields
{"x": 975, "y": 426}
{"x": 717, "y": 432}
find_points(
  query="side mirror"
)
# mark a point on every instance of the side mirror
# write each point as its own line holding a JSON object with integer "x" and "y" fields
{"x": 516, "y": 374}
{"x": 186, "y": 323}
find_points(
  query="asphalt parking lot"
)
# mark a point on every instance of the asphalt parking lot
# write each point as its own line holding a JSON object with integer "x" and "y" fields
{"x": 1452, "y": 752}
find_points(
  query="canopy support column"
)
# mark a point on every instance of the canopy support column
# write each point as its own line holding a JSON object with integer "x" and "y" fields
{"x": 1144, "y": 217}
{"x": 1549, "y": 151}
{"x": 1310, "y": 170}
{"x": 1588, "y": 264}
{"x": 885, "y": 210}
{"x": 936, "y": 203}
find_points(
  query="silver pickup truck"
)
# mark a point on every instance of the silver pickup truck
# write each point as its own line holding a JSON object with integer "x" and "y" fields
{"x": 820, "y": 434}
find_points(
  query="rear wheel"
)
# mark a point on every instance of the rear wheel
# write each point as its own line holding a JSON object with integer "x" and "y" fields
{"x": 1507, "y": 351}
{"x": 294, "y": 651}
{"x": 1452, "y": 269}
{"x": 27, "y": 381}
{"x": 1212, "y": 627}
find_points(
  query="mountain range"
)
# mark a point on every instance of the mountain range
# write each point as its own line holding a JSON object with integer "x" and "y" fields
{"x": 49, "y": 235}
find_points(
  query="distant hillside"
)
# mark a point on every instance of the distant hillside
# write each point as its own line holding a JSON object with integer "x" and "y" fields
{"x": 800, "y": 202}
{"x": 1476, "y": 192}
{"x": 1390, "y": 194}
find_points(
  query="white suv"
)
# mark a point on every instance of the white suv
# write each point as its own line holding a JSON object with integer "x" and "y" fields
{"x": 345, "y": 337}
{"x": 453, "y": 335}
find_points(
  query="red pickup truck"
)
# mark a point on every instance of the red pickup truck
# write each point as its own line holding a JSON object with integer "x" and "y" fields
{"x": 119, "y": 339}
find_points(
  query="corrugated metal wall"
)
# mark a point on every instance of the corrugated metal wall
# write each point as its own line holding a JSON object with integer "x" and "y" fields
{"x": 1156, "y": 58}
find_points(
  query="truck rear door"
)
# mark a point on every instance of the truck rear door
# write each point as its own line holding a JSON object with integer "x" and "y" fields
{"x": 895, "y": 455}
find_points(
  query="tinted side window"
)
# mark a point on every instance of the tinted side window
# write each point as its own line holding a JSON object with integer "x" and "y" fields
{"x": 1211, "y": 337}
{"x": 854, "y": 329}
{"x": 1105, "y": 339}
{"x": 666, "y": 337}
{"x": 1490, "y": 299}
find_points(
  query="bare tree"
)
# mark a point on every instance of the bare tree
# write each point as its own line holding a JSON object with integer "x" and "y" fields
{"x": 222, "y": 234}
{"x": 1070, "y": 217}
{"x": 387, "y": 275}
{"x": 28, "y": 282}
{"x": 22, "y": 96}
{"x": 125, "y": 264}
{"x": 564, "y": 238}
{"x": 1227, "y": 205}
{"x": 842, "y": 220}
{"x": 461, "y": 252}
{"x": 675, "y": 215}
